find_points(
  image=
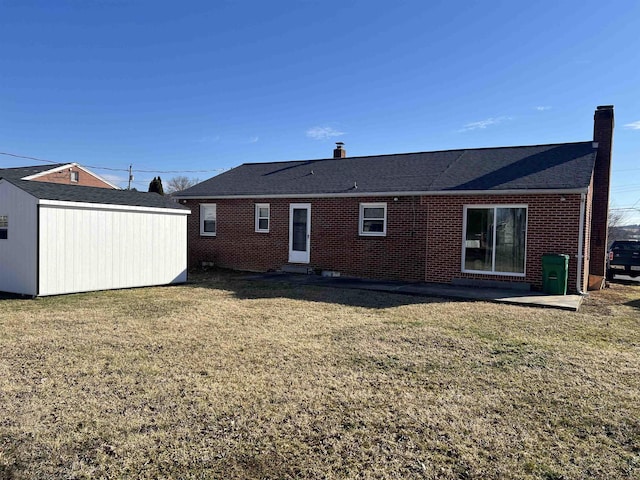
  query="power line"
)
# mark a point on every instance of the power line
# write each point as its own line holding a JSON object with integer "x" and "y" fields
{"x": 180, "y": 171}
{"x": 629, "y": 188}
{"x": 113, "y": 169}
{"x": 51, "y": 161}
{"x": 628, "y": 185}
{"x": 28, "y": 158}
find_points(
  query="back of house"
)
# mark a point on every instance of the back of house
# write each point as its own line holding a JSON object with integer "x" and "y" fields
{"x": 484, "y": 215}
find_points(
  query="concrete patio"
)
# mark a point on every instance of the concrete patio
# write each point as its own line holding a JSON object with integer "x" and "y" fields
{"x": 514, "y": 297}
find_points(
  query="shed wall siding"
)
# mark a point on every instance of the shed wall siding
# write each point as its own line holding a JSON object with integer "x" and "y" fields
{"x": 96, "y": 249}
{"x": 18, "y": 252}
{"x": 423, "y": 240}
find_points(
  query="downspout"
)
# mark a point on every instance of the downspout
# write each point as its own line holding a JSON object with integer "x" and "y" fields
{"x": 579, "y": 280}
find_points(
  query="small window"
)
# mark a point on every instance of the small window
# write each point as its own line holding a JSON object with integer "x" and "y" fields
{"x": 4, "y": 227}
{"x": 373, "y": 219}
{"x": 75, "y": 176}
{"x": 262, "y": 217}
{"x": 208, "y": 219}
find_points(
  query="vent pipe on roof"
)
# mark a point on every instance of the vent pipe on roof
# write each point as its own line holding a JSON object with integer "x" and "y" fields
{"x": 339, "y": 151}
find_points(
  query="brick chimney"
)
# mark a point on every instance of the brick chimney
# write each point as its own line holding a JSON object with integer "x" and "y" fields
{"x": 339, "y": 151}
{"x": 603, "y": 134}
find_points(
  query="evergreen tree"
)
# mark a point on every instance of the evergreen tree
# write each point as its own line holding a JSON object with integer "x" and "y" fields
{"x": 156, "y": 186}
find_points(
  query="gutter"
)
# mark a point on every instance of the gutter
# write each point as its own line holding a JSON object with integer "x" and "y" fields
{"x": 566, "y": 191}
{"x": 580, "y": 256}
{"x": 113, "y": 207}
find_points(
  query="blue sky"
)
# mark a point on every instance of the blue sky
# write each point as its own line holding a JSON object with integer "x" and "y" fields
{"x": 193, "y": 87}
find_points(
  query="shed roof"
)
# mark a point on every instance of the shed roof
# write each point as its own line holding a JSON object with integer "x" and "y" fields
{"x": 82, "y": 194}
{"x": 537, "y": 167}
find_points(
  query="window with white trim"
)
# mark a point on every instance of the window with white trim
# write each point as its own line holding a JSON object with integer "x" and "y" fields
{"x": 74, "y": 176}
{"x": 495, "y": 239}
{"x": 262, "y": 217}
{"x": 373, "y": 219}
{"x": 4, "y": 227}
{"x": 208, "y": 219}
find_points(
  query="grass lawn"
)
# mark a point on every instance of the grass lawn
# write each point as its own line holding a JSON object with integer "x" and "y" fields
{"x": 230, "y": 378}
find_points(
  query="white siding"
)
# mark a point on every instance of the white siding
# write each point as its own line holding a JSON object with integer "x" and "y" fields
{"x": 18, "y": 253}
{"x": 84, "y": 249}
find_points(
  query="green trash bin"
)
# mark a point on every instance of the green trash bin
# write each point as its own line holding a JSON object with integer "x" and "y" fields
{"x": 555, "y": 271}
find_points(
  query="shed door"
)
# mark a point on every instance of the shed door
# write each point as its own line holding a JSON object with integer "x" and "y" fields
{"x": 299, "y": 232}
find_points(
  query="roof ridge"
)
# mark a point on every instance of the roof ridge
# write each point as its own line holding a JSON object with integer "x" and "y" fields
{"x": 422, "y": 152}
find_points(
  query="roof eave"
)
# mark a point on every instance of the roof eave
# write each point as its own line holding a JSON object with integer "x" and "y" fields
{"x": 113, "y": 206}
{"x": 542, "y": 191}
{"x": 70, "y": 165}
{"x": 48, "y": 171}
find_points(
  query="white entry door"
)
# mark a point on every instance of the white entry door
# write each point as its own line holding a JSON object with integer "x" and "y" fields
{"x": 299, "y": 232}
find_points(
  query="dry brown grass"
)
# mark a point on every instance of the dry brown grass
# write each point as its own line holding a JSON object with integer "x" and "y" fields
{"x": 226, "y": 378}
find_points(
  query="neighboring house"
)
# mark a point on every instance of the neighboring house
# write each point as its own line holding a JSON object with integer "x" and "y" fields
{"x": 57, "y": 239}
{"x": 64, "y": 173}
{"x": 484, "y": 215}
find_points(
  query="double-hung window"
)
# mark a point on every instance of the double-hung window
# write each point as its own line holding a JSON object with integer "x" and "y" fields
{"x": 495, "y": 239}
{"x": 262, "y": 217}
{"x": 4, "y": 227}
{"x": 373, "y": 219}
{"x": 74, "y": 177}
{"x": 208, "y": 219}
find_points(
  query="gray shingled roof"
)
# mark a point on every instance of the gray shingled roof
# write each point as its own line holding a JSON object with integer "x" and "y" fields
{"x": 78, "y": 193}
{"x": 539, "y": 167}
{"x": 18, "y": 173}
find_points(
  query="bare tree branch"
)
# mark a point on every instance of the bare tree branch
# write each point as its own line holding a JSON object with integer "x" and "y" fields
{"x": 180, "y": 183}
{"x": 617, "y": 226}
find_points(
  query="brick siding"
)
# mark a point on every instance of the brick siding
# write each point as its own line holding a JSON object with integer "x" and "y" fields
{"x": 423, "y": 241}
{"x": 603, "y": 134}
{"x": 64, "y": 177}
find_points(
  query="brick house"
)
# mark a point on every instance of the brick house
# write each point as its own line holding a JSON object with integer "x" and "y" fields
{"x": 483, "y": 215}
{"x": 63, "y": 173}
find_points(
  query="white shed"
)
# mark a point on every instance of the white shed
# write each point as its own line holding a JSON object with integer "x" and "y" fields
{"x": 57, "y": 239}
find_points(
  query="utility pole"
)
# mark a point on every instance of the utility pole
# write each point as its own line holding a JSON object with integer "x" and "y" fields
{"x": 130, "y": 177}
